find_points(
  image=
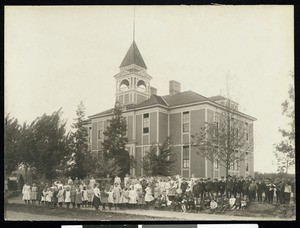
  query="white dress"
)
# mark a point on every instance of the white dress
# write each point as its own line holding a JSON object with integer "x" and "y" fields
{"x": 49, "y": 196}
{"x": 148, "y": 196}
{"x": 60, "y": 196}
{"x": 84, "y": 195}
{"x": 132, "y": 197}
{"x": 26, "y": 192}
{"x": 110, "y": 198}
{"x": 68, "y": 197}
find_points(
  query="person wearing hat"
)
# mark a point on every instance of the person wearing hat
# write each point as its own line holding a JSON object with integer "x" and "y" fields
{"x": 183, "y": 185}
{"x": 260, "y": 190}
{"x": 216, "y": 186}
{"x": 201, "y": 188}
{"x": 221, "y": 186}
{"x": 209, "y": 187}
{"x": 229, "y": 186}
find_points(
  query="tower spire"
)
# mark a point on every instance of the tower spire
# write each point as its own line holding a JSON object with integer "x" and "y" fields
{"x": 133, "y": 23}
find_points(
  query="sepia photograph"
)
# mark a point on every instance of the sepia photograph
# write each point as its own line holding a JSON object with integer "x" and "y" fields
{"x": 149, "y": 113}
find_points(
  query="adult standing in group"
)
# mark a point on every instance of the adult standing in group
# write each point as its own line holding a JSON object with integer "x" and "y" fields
{"x": 271, "y": 187}
{"x": 221, "y": 186}
{"x": 40, "y": 189}
{"x": 252, "y": 191}
{"x": 201, "y": 188}
{"x": 246, "y": 187}
{"x": 229, "y": 186}
{"x": 97, "y": 197}
{"x": 287, "y": 192}
{"x": 26, "y": 193}
{"x": 209, "y": 187}
{"x": 20, "y": 181}
{"x": 260, "y": 190}
{"x": 183, "y": 186}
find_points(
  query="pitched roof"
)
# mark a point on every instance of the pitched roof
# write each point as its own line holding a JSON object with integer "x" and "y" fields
{"x": 153, "y": 100}
{"x": 133, "y": 56}
{"x": 216, "y": 98}
{"x": 109, "y": 111}
{"x": 182, "y": 98}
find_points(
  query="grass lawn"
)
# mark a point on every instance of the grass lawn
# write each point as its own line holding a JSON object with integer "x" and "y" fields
{"x": 77, "y": 214}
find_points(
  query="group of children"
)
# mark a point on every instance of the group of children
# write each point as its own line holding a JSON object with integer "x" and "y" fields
{"x": 175, "y": 194}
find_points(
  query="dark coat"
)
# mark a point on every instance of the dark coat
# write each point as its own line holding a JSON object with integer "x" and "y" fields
{"x": 260, "y": 187}
{"x": 201, "y": 187}
{"x": 209, "y": 186}
{"x": 229, "y": 185}
{"x": 221, "y": 186}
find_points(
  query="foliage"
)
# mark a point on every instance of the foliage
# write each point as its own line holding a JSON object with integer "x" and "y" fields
{"x": 11, "y": 141}
{"x": 105, "y": 165}
{"x": 158, "y": 161}
{"x": 285, "y": 150}
{"x": 273, "y": 176}
{"x": 80, "y": 159}
{"x": 114, "y": 144}
{"x": 49, "y": 145}
{"x": 226, "y": 140}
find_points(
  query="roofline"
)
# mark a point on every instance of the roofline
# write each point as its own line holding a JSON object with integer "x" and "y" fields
{"x": 214, "y": 104}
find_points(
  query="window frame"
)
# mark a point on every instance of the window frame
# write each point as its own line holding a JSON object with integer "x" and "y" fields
{"x": 186, "y": 122}
{"x": 146, "y": 121}
{"x": 186, "y": 159}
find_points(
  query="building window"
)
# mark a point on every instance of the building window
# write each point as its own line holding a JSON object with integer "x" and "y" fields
{"x": 100, "y": 130}
{"x": 247, "y": 167}
{"x": 247, "y": 131}
{"x": 90, "y": 134}
{"x": 126, "y": 99}
{"x": 146, "y": 123}
{"x": 186, "y": 122}
{"x": 186, "y": 157}
{"x": 216, "y": 164}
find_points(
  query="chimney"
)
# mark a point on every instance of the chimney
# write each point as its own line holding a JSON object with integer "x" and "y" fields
{"x": 153, "y": 90}
{"x": 174, "y": 87}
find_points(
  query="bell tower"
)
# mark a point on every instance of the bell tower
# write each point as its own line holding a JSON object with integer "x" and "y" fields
{"x": 133, "y": 81}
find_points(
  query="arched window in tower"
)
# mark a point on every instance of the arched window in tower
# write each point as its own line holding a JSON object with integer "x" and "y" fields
{"x": 141, "y": 86}
{"x": 124, "y": 85}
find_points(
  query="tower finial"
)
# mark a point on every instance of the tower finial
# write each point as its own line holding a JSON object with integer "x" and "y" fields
{"x": 133, "y": 23}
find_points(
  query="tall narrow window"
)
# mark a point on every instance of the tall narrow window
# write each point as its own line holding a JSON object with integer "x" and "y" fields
{"x": 186, "y": 157}
{"x": 146, "y": 123}
{"x": 90, "y": 134}
{"x": 216, "y": 163}
{"x": 247, "y": 167}
{"x": 100, "y": 130}
{"x": 247, "y": 131}
{"x": 186, "y": 122}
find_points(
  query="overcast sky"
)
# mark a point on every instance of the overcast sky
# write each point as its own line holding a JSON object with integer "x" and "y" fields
{"x": 58, "y": 56}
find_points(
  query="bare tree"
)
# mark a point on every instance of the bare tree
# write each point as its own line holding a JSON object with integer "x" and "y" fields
{"x": 285, "y": 150}
{"x": 228, "y": 139}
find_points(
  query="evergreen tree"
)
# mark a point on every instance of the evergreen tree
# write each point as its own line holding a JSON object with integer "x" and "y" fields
{"x": 159, "y": 161}
{"x": 78, "y": 144}
{"x": 11, "y": 141}
{"x": 114, "y": 144}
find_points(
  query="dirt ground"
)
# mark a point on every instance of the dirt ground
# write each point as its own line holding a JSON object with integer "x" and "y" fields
{"x": 17, "y": 210}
